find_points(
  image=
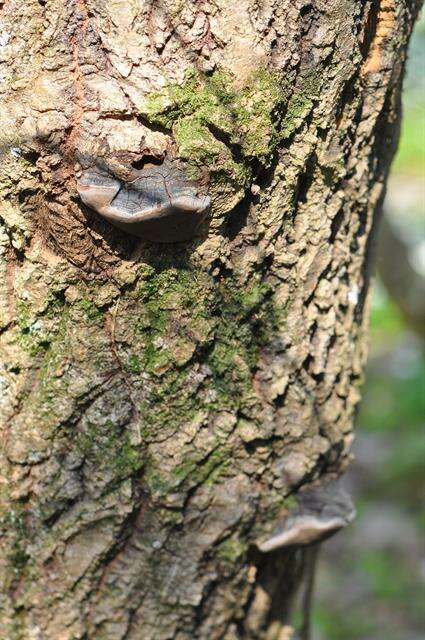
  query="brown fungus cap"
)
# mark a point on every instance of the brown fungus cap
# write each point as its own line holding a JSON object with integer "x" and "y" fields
{"x": 160, "y": 204}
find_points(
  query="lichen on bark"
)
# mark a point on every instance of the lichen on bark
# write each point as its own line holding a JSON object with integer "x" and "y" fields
{"x": 248, "y": 116}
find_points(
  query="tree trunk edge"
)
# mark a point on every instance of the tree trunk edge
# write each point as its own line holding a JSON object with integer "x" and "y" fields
{"x": 164, "y": 405}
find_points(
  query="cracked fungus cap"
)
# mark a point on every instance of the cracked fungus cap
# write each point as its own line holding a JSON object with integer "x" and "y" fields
{"x": 319, "y": 513}
{"x": 159, "y": 205}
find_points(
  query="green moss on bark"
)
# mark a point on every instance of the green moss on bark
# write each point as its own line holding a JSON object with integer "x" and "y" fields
{"x": 231, "y": 551}
{"x": 106, "y": 445}
{"x": 232, "y": 130}
{"x": 301, "y": 102}
{"x": 227, "y": 328}
{"x": 217, "y": 125}
{"x": 14, "y": 527}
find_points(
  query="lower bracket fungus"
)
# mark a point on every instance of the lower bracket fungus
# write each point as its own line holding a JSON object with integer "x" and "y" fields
{"x": 319, "y": 513}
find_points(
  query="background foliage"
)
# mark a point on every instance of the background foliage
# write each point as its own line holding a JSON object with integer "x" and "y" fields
{"x": 371, "y": 578}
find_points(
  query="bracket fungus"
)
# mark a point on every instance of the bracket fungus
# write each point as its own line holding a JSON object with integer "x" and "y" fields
{"x": 159, "y": 204}
{"x": 319, "y": 513}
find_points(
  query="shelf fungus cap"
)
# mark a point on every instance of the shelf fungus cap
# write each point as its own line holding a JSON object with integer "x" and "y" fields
{"x": 319, "y": 513}
{"x": 160, "y": 204}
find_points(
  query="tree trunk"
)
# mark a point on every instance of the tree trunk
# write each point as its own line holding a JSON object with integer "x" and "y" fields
{"x": 164, "y": 402}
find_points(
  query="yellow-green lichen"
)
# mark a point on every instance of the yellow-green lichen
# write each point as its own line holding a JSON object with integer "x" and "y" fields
{"x": 231, "y": 551}
{"x": 301, "y": 101}
{"x": 107, "y": 445}
{"x": 228, "y": 328}
{"x": 172, "y": 317}
{"x": 218, "y": 125}
{"x": 16, "y": 521}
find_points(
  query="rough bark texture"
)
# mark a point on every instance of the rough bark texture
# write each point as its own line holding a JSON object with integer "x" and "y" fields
{"x": 161, "y": 402}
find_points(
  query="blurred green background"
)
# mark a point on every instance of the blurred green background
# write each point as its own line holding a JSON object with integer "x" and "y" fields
{"x": 370, "y": 582}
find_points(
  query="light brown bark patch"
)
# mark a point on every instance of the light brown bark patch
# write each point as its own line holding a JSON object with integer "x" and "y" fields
{"x": 384, "y": 27}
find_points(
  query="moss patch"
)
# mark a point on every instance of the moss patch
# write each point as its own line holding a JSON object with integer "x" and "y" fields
{"x": 247, "y": 321}
{"x": 229, "y": 129}
{"x": 231, "y": 551}
{"x": 227, "y": 328}
{"x": 172, "y": 317}
{"x": 107, "y": 445}
{"x": 216, "y": 125}
{"x": 13, "y": 530}
{"x": 301, "y": 101}
{"x": 183, "y": 307}
{"x": 18, "y": 556}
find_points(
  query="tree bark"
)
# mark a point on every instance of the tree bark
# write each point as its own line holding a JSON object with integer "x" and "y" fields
{"x": 162, "y": 403}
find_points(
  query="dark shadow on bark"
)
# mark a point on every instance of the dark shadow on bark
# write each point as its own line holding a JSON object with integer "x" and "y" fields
{"x": 280, "y": 575}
